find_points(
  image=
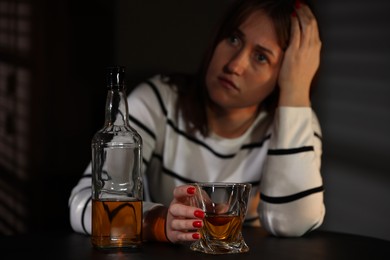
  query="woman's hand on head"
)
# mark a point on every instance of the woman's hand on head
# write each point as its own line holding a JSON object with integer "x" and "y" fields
{"x": 301, "y": 59}
{"x": 183, "y": 219}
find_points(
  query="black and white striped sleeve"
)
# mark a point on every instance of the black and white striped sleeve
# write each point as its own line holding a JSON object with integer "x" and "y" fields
{"x": 80, "y": 203}
{"x": 291, "y": 185}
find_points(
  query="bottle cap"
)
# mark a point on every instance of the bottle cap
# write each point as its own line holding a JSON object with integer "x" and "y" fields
{"x": 115, "y": 76}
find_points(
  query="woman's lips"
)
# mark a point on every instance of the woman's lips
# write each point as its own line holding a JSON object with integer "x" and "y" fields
{"x": 228, "y": 83}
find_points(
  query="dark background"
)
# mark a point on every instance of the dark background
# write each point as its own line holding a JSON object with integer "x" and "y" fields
{"x": 53, "y": 56}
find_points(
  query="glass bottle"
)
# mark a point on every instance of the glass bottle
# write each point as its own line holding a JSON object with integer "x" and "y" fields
{"x": 117, "y": 189}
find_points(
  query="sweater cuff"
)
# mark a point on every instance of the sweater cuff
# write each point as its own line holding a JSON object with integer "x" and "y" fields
{"x": 292, "y": 127}
{"x": 154, "y": 227}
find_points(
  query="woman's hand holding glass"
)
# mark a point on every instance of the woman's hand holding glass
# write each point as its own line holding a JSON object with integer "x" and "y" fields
{"x": 183, "y": 220}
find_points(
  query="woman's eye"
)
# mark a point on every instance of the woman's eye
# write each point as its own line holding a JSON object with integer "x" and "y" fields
{"x": 233, "y": 39}
{"x": 261, "y": 58}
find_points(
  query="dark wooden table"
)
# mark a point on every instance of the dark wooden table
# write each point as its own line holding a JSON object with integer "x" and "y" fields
{"x": 315, "y": 246}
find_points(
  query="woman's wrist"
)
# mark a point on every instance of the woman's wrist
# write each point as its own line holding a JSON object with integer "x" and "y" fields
{"x": 294, "y": 99}
{"x": 154, "y": 228}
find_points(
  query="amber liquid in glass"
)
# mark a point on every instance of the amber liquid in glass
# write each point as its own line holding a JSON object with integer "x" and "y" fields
{"x": 116, "y": 224}
{"x": 223, "y": 228}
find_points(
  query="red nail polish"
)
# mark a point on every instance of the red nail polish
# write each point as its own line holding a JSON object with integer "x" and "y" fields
{"x": 197, "y": 224}
{"x": 195, "y": 236}
{"x": 191, "y": 190}
{"x": 199, "y": 214}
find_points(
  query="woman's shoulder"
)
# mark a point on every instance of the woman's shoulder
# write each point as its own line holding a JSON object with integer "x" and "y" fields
{"x": 157, "y": 85}
{"x": 159, "y": 82}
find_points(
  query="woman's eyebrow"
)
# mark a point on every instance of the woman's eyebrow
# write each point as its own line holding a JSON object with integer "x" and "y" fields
{"x": 263, "y": 49}
{"x": 258, "y": 47}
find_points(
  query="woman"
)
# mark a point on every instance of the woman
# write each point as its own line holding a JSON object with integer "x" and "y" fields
{"x": 246, "y": 117}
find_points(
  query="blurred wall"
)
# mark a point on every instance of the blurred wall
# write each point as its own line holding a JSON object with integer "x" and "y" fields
{"x": 53, "y": 56}
{"x": 353, "y": 104}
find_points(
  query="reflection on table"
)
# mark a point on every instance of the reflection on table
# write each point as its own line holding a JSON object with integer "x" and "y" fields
{"x": 316, "y": 245}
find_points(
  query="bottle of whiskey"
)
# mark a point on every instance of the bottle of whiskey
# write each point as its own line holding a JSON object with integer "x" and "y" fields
{"x": 117, "y": 189}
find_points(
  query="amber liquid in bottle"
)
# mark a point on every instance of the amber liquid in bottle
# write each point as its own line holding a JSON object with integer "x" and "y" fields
{"x": 118, "y": 223}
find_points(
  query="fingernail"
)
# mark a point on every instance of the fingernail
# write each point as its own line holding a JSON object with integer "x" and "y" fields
{"x": 196, "y": 236}
{"x": 191, "y": 190}
{"x": 197, "y": 224}
{"x": 199, "y": 214}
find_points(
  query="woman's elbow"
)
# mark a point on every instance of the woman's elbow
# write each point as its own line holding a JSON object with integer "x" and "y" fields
{"x": 80, "y": 210}
{"x": 291, "y": 223}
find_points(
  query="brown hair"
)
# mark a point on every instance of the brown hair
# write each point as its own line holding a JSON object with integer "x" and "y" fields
{"x": 192, "y": 90}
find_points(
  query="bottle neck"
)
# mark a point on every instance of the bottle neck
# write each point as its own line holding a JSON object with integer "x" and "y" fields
{"x": 116, "y": 107}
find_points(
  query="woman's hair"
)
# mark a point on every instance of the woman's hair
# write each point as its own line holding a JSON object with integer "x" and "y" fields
{"x": 192, "y": 91}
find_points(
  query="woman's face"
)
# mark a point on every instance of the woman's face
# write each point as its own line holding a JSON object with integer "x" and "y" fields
{"x": 244, "y": 67}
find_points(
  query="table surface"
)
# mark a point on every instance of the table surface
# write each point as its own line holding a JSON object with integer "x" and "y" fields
{"x": 316, "y": 245}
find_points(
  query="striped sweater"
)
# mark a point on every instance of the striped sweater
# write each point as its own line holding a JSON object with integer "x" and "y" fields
{"x": 280, "y": 156}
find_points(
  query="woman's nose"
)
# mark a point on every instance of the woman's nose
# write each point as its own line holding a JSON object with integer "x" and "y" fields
{"x": 237, "y": 63}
